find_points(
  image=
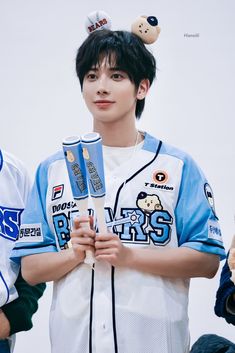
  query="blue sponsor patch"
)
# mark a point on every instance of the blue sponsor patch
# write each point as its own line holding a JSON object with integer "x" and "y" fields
{"x": 10, "y": 222}
{"x": 30, "y": 233}
{"x": 214, "y": 231}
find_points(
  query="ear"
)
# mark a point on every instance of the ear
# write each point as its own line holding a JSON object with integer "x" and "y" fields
{"x": 143, "y": 89}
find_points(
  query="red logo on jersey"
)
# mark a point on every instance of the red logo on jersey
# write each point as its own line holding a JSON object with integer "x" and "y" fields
{"x": 160, "y": 177}
{"x": 57, "y": 192}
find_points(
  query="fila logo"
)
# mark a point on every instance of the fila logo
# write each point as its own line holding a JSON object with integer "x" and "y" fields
{"x": 160, "y": 177}
{"x": 57, "y": 192}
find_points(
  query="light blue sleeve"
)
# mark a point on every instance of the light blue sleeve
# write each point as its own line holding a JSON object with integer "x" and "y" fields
{"x": 35, "y": 235}
{"x": 196, "y": 221}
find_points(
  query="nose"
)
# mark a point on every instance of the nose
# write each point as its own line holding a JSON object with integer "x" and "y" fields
{"x": 102, "y": 87}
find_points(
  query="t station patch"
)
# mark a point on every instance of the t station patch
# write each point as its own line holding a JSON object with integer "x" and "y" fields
{"x": 160, "y": 177}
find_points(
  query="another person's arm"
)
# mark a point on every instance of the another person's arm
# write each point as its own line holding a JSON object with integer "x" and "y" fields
{"x": 225, "y": 296}
{"x": 230, "y": 304}
{"x": 17, "y": 315}
{"x": 4, "y": 326}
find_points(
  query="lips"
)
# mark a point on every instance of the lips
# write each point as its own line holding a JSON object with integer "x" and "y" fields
{"x": 103, "y": 103}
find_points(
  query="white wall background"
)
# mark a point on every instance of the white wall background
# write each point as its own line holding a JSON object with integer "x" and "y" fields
{"x": 191, "y": 104}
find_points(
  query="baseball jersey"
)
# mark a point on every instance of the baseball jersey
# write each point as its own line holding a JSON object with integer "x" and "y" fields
{"x": 159, "y": 200}
{"x": 14, "y": 188}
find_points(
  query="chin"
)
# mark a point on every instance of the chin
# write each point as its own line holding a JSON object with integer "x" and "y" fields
{"x": 105, "y": 117}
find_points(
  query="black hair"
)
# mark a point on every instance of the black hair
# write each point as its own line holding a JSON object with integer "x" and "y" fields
{"x": 126, "y": 48}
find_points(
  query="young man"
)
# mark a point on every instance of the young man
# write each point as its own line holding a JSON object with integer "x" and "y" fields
{"x": 163, "y": 229}
{"x": 18, "y": 300}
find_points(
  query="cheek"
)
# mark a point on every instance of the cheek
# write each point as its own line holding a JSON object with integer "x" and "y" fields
{"x": 129, "y": 92}
{"x": 88, "y": 100}
{"x": 84, "y": 97}
{"x": 86, "y": 93}
{"x": 87, "y": 89}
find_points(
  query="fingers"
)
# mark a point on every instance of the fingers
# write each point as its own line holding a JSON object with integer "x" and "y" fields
{"x": 106, "y": 240}
{"x": 82, "y": 236}
{"x": 231, "y": 259}
{"x": 116, "y": 256}
{"x": 107, "y": 247}
{"x": 83, "y": 244}
{"x": 110, "y": 258}
{"x": 80, "y": 230}
{"x": 81, "y": 221}
{"x": 82, "y": 233}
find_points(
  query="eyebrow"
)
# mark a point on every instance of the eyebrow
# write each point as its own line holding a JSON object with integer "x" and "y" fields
{"x": 96, "y": 68}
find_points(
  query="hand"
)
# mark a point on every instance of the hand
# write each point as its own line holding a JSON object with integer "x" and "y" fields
{"x": 108, "y": 247}
{"x": 4, "y": 326}
{"x": 82, "y": 236}
{"x": 231, "y": 259}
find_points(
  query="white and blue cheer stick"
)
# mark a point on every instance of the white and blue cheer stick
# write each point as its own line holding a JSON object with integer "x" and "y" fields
{"x": 77, "y": 175}
{"x": 93, "y": 157}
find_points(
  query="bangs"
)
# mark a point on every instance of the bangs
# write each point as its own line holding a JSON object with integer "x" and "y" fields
{"x": 110, "y": 51}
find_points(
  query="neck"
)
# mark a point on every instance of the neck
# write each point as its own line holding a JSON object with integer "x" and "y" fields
{"x": 117, "y": 135}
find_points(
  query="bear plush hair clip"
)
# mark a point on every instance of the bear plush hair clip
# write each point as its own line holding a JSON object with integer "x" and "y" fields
{"x": 145, "y": 27}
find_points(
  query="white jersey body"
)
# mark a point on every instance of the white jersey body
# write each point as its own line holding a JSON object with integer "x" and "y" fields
{"x": 159, "y": 200}
{"x": 14, "y": 188}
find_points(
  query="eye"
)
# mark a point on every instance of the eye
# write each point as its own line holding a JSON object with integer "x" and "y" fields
{"x": 91, "y": 76}
{"x": 117, "y": 76}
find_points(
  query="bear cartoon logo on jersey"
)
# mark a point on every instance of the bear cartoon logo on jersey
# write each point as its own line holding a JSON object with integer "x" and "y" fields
{"x": 157, "y": 221}
{"x": 147, "y": 223}
{"x": 148, "y": 203}
{"x": 10, "y": 222}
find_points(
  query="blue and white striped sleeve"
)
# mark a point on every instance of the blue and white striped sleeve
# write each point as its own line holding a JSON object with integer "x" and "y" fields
{"x": 35, "y": 235}
{"x": 196, "y": 221}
